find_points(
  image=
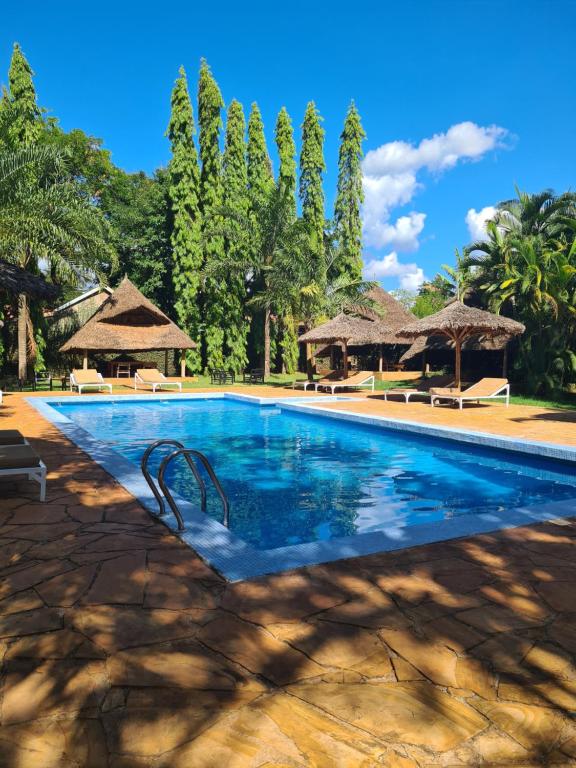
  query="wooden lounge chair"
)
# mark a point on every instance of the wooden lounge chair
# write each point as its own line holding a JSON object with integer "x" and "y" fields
{"x": 87, "y": 379}
{"x": 485, "y": 389}
{"x": 421, "y": 388}
{"x": 357, "y": 380}
{"x": 23, "y": 460}
{"x": 153, "y": 378}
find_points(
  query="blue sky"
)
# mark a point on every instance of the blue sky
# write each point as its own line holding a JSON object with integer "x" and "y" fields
{"x": 460, "y": 100}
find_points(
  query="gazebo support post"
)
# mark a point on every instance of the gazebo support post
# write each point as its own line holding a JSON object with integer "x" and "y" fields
{"x": 458, "y": 366}
{"x": 505, "y": 362}
{"x": 183, "y": 363}
{"x": 345, "y": 355}
{"x": 381, "y": 357}
{"x": 165, "y": 362}
{"x": 85, "y": 360}
{"x": 424, "y": 363}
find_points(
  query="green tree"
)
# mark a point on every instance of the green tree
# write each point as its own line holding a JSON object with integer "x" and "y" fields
{"x": 138, "y": 208}
{"x": 235, "y": 198}
{"x": 186, "y": 238}
{"x": 277, "y": 238}
{"x": 287, "y": 184}
{"x": 260, "y": 186}
{"x": 525, "y": 268}
{"x": 287, "y": 154}
{"x": 210, "y": 106}
{"x": 24, "y": 116}
{"x": 312, "y": 167}
{"x": 21, "y": 126}
{"x": 260, "y": 177}
{"x": 349, "y": 197}
{"x": 44, "y": 218}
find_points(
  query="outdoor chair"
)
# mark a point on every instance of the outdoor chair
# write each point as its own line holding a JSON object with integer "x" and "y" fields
{"x": 485, "y": 389}
{"x": 421, "y": 388}
{"x": 41, "y": 379}
{"x": 221, "y": 376}
{"x": 357, "y": 380}
{"x": 153, "y": 378}
{"x": 255, "y": 376}
{"x": 11, "y": 437}
{"x": 87, "y": 379}
{"x": 17, "y": 458}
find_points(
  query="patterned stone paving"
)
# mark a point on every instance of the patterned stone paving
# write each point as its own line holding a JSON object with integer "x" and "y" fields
{"x": 120, "y": 648}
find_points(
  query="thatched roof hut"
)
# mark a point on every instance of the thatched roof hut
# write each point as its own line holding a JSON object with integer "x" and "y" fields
{"x": 15, "y": 280}
{"x": 458, "y": 322}
{"x": 364, "y": 325}
{"x": 127, "y": 322}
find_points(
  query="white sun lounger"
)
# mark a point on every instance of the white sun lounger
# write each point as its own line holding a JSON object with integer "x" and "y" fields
{"x": 360, "y": 379}
{"x": 153, "y": 378}
{"x": 17, "y": 457}
{"x": 88, "y": 379}
{"x": 485, "y": 389}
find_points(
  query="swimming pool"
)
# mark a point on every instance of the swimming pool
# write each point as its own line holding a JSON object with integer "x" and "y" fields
{"x": 299, "y": 481}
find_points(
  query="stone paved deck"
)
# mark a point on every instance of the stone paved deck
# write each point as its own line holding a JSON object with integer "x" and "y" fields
{"x": 120, "y": 648}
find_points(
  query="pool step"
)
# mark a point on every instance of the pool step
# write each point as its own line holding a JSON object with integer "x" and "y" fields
{"x": 161, "y": 490}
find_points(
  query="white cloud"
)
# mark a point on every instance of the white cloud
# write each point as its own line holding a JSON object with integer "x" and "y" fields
{"x": 464, "y": 141}
{"x": 476, "y": 221}
{"x": 410, "y": 275}
{"x": 391, "y": 179}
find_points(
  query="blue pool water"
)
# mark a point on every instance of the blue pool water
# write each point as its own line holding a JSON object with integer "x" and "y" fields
{"x": 293, "y": 478}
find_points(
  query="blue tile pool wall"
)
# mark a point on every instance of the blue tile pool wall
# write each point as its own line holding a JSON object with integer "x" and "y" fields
{"x": 238, "y": 558}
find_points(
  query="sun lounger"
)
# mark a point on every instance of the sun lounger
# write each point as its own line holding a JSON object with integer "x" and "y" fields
{"x": 11, "y": 437}
{"x": 153, "y": 378}
{"x": 23, "y": 460}
{"x": 357, "y": 380}
{"x": 328, "y": 378}
{"x": 87, "y": 379}
{"x": 421, "y": 388}
{"x": 485, "y": 389}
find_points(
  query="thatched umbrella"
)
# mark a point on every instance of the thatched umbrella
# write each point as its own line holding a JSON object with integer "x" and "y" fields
{"x": 458, "y": 322}
{"x": 15, "y": 280}
{"x": 347, "y": 330}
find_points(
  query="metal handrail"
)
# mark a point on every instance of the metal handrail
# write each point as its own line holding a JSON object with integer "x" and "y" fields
{"x": 187, "y": 453}
{"x": 152, "y": 484}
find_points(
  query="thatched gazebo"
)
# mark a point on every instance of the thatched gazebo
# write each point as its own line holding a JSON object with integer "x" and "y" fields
{"x": 129, "y": 322}
{"x": 365, "y": 326}
{"x": 347, "y": 330}
{"x": 458, "y": 322}
{"x": 15, "y": 280}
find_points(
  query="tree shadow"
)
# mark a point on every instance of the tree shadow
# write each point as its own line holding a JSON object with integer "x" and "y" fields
{"x": 120, "y": 647}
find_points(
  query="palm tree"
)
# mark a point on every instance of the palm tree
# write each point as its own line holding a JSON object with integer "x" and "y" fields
{"x": 46, "y": 223}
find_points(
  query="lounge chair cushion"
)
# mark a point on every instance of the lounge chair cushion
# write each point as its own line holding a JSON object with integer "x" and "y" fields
{"x": 10, "y": 437}
{"x": 18, "y": 456}
{"x": 150, "y": 375}
{"x": 89, "y": 376}
{"x": 448, "y": 391}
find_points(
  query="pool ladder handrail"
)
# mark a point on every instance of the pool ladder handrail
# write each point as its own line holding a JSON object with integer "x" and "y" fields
{"x": 188, "y": 453}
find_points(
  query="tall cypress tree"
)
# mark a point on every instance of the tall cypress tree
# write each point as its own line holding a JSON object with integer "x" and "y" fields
{"x": 260, "y": 185}
{"x": 312, "y": 167}
{"x": 23, "y": 119}
{"x": 287, "y": 183}
{"x": 235, "y": 183}
{"x": 260, "y": 177}
{"x": 210, "y": 106}
{"x": 184, "y": 189}
{"x": 287, "y": 154}
{"x": 25, "y": 114}
{"x": 349, "y": 197}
